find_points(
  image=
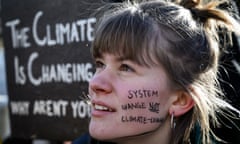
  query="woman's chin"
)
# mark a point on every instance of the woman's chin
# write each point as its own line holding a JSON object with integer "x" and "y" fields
{"x": 101, "y": 137}
{"x": 104, "y": 136}
{"x": 98, "y": 134}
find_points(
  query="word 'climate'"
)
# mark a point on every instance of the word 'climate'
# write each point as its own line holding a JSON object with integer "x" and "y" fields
{"x": 53, "y": 34}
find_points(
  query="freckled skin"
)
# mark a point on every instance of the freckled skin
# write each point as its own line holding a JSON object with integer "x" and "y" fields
{"x": 111, "y": 85}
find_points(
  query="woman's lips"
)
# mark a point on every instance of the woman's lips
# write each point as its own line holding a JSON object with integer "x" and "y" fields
{"x": 101, "y": 109}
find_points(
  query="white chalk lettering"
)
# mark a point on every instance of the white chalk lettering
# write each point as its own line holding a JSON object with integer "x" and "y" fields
{"x": 19, "y": 108}
{"x": 81, "y": 23}
{"x": 55, "y": 34}
{"x": 19, "y": 36}
{"x": 20, "y": 77}
{"x": 66, "y": 73}
{"x": 80, "y": 109}
{"x": 34, "y": 81}
{"x": 64, "y": 33}
{"x": 50, "y": 108}
{"x": 38, "y": 41}
{"x": 90, "y": 28}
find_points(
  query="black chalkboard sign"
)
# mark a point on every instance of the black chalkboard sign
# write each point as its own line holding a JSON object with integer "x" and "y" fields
{"x": 48, "y": 64}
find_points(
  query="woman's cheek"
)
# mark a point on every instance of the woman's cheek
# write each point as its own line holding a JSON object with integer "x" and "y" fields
{"x": 142, "y": 107}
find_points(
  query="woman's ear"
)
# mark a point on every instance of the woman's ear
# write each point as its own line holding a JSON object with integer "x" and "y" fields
{"x": 181, "y": 103}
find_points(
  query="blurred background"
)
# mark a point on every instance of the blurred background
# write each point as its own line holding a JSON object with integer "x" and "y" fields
{"x": 4, "y": 113}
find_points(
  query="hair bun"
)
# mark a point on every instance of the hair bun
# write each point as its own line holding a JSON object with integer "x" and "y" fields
{"x": 210, "y": 14}
{"x": 189, "y": 4}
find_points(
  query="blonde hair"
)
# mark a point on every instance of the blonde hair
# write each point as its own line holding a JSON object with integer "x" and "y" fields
{"x": 182, "y": 37}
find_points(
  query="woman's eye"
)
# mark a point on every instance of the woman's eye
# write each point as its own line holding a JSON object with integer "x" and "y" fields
{"x": 99, "y": 64}
{"x": 127, "y": 68}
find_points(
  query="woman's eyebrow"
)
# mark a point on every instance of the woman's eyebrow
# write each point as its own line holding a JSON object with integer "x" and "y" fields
{"x": 123, "y": 58}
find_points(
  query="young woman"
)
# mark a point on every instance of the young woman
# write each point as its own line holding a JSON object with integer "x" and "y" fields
{"x": 156, "y": 72}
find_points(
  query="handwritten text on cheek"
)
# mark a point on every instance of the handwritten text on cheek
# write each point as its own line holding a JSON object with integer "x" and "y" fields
{"x": 152, "y": 107}
{"x": 142, "y": 93}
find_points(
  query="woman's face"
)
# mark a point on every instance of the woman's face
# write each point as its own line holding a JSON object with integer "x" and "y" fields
{"x": 127, "y": 99}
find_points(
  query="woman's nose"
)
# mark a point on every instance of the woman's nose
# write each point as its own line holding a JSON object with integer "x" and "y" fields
{"x": 101, "y": 82}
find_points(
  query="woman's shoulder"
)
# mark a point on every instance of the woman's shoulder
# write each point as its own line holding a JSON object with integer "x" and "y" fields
{"x": 83, "y": 139}
{"x": 87, "y": 139}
